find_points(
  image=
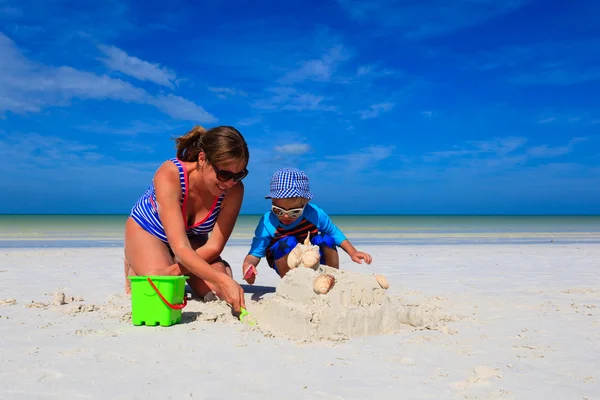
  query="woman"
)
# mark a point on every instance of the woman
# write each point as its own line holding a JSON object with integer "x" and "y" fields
{"x": 197, "y": 193}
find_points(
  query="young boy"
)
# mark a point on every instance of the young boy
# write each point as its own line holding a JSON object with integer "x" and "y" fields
{"x": 288, "y": 223}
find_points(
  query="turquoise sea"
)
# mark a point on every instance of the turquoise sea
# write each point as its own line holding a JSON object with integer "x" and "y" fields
{"x": 107, "y": 230}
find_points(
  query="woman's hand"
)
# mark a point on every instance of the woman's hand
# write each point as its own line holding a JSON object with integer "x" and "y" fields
{"x": 359, "y": 256}
{"x": 229, "y": 290}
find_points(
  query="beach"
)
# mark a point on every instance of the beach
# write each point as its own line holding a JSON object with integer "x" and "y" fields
{"x": 515, "y": 321}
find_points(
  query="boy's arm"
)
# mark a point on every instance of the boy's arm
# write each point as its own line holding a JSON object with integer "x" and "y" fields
{"x": 250, "y": 263}
{"x": 262, "y": 237}
{"x": 251, "y": 260}
{"x": 355, "y": 255}
{"x": 348, "y": 248}
{"x": 327, "y": 226}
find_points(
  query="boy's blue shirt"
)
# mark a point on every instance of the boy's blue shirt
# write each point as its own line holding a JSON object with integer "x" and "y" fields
{"x": 268, "y": 224}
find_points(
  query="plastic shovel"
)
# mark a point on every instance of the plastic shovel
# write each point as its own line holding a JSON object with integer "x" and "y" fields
{"x": 243, "y": 314}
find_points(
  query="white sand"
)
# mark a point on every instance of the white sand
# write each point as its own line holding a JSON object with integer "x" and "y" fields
{"x": 355, "y": 306}
{"x": 518, "y": 321}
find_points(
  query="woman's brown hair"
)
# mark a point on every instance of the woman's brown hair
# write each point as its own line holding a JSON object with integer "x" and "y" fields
{"x": 221, "y": 144}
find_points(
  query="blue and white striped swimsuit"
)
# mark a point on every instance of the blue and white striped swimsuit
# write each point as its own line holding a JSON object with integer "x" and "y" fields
{"x": 145, "y": 212}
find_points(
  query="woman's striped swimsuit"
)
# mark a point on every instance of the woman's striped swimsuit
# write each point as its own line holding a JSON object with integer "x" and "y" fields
{"x": 145, "y": 211}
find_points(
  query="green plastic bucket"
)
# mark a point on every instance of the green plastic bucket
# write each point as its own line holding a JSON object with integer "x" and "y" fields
{"x": 157, "y": 299}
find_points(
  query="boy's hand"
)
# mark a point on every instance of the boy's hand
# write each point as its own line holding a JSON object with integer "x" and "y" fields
{"x": 250, "y": 273}
{"x": 359, "y": 256}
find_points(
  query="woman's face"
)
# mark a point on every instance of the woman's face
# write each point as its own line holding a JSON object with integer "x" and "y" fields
{"x": 219, "y": 177}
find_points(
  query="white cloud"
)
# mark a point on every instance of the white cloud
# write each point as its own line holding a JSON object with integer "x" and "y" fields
{"x": 17, "y": 105}
{"x": 438, "y": 155}
{"x": 249, "y": 121}
{"x": 26, "y": 87}
{"x": 134, "y": 128}
{"x": 499, "y": 146}
{"x": 10, "y": 12}
{"x": 46, "y": 150}
{"x": 180, "y": 108}
{"x": 226, "y": 93}
{"x": 558, "y": 76}
{"x": 546, "y": 120}
{"x": 86, "y": 85}
{"x": 286, "y": 98}
{"x": 499, "y": 152}
{"x": 118, "y": 60}
{"x": 426, "y": 17}
{"x": 376, "y": 110}
{"x": 568, "y": 117}
{"x": 364, "y": 70}
{"x": 545, "y": 151}
{"x": 320, "y": 69}
{"x": 493, "y": 147}
{"x": 548, "y": 151}
{"x": 293, "y": 148}
{"x": 307, "y": 101}
{"x": 61, "y": 166}
{"x": 363, "y": 159}
{"x": 375, "y": 71}
{"x": 561, "y": 62}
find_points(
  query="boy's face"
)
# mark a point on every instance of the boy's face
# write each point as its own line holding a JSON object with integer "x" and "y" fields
{"x": 294, "y": 208}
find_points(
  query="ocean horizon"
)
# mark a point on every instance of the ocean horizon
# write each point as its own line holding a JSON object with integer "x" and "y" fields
{"x": 101, "y": 230}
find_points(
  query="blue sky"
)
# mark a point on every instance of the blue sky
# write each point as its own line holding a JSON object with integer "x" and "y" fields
{"x": 430, "y": 106}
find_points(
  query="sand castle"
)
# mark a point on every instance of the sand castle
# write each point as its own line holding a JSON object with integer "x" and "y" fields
{"x": 322, "y": 303}
{"x": 354, "y": 304}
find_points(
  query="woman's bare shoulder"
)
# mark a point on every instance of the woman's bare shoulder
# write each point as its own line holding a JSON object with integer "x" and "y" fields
{"x": 234, "y": 195}
{"x": 167, "y": 178}
{"x": 236, "y": 191}
{"x": 167, "y": 170}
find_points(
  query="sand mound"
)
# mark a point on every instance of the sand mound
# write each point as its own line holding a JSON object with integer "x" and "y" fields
{"x": 355, "y": 306}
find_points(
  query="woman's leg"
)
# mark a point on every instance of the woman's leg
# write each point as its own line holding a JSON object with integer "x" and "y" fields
{"x": 128, "y": 272}
{"x": 145, "y": 254}
{"x": 327, "y": 249}
{"x": 199, "y": 285}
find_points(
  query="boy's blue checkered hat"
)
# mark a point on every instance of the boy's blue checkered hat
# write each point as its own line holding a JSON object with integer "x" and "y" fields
{"x": 289, "y": 182}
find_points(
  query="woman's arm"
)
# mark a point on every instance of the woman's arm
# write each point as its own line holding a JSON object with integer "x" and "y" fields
{"x": 230, "y": 210}
{"x": 168, "y": 197}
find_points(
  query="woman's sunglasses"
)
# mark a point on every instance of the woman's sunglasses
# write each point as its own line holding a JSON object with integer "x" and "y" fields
{"x": 224, "y": 175}
{"x": 293, "y": 213}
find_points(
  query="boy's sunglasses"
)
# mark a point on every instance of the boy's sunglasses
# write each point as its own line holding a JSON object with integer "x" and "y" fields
{"x": 224, "y": 175}
{"x": 293, "y": 213}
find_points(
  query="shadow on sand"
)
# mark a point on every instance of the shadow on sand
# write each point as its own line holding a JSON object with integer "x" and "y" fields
{"x": 257, "y": 291}
{"x": 190, "y": 316}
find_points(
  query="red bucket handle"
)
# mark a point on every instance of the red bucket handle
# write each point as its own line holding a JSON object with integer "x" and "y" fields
{"x": 172, "y": 306}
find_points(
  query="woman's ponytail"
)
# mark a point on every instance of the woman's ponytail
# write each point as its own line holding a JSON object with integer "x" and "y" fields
{"x": 190, "y": 145}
